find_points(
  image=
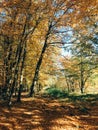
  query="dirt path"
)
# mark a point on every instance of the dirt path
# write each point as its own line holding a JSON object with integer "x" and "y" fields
{"x": 49, "y": 114}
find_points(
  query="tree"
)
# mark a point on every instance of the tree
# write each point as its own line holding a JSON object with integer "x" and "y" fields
{"x": 21, "y": 23}
{"x": 82, "y": 61}
{"x": 59, "y": 15}
{"x": 52, "y": 22}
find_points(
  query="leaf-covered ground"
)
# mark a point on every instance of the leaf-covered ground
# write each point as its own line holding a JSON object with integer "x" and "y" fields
{"x": 51, "y": 114}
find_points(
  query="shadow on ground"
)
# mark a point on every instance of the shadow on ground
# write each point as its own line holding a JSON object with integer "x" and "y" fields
{"x": 51, "y": 114}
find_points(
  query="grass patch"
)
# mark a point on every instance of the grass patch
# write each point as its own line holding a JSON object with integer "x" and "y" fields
{"x": 58, "y": 93}
{"x": 84, "y": 97}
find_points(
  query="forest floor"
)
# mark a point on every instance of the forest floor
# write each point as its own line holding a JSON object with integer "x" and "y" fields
{"x": 44, "y": 113}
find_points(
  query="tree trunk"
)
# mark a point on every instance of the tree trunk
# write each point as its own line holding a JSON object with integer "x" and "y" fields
{"x": 19, "y": 93}
{"x": 7, "y": 59}
{"x": 82, "y": 86}
{"x": 36, "y": 74}
{"x": 21, "y": 72}
{"x": 81, "y": 75}
{"x": 11, "y": 92}
{"x": 68, "y": 87}
{"x": 37, "y": 70}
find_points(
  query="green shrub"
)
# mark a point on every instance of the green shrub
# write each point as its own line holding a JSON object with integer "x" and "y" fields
{"x": 55, "y": 92}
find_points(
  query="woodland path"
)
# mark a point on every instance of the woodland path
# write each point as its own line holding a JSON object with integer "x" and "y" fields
{"x": 41, "y": 113}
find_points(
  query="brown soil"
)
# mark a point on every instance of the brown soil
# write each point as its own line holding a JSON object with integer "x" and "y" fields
{"x": 49, "y": 114}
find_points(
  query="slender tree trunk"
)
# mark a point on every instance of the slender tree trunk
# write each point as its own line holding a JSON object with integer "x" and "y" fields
{"x": 81, "y": 76}
{"x": 36, "y": 74}
{"x": 82, "y": 89}
{"x": 37, "y": 69}
{"x": 15, "y": 68}
{"x": 21, "y": 74}
{"x": 82, "y": 86}
{"x": 7, "y": 60}
{"x": 19, "y": 93}
{"x": 68, "y": 87}
{"x": 11, "y": 92}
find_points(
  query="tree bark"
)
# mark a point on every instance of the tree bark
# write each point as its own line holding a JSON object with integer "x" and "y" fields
{"x": 36, "y": 74}
{"x": 21, "y": 74}
{"x": 37, "y": 69}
